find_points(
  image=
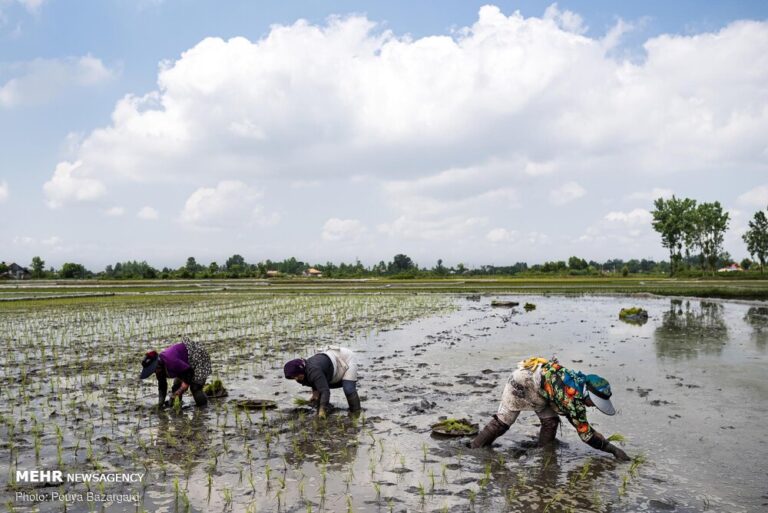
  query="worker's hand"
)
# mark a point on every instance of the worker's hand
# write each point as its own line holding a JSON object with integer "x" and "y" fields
{"x": 321, "y": 413}
{"x": 617, "y": 453}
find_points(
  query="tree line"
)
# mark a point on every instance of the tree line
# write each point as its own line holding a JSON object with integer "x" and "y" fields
{"x": 400, "y": 267}
{"x": 693, "y": 233}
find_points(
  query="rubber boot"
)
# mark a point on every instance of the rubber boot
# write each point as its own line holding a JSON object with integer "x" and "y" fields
{"x": 494, "y": 429}
{"x": 197, "y": 392}
{"x": 548, "y": 430}
{"x": 354, "y": 402}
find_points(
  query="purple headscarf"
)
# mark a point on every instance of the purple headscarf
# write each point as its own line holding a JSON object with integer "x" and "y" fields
{"x": 294, "y": 368}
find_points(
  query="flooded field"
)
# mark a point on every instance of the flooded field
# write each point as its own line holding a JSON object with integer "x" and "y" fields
{"x": 689, "y": 385}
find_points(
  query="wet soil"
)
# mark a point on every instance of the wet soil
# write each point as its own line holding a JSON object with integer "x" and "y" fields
{"x": 689, "y": 387}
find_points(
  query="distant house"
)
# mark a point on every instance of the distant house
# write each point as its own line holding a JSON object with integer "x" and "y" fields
{"x": 731, "y": 268}
{"x": 313, "y": 273}
{"x": 16, "y": 272}
{"x": 273, "y": 274}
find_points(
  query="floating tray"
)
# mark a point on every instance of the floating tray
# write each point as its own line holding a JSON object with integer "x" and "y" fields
{"x": 443, "y": 430}
{"x": 254, "y": 404}
{"x": 504, "y": 304}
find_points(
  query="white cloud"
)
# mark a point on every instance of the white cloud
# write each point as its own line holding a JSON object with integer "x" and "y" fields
{"x": 567, "y": 20}
{"x": 440, "y": 136}
{"x": 336, "y": 230}
{"x": 566, "y": 193}
{"x": 41, "y": 80}
{"x": 52, "y": 241}
{"x": 630, "y": 231}
{"x": 33, "y": 6}
{"x": 500, "y": 235}
{"x": 651, "y": 195}
{"x": 115, "y": 211}
{"x": 359, "y": 98}
{"x": 438, "y": 230}
{"x": 4, "y": 191}
{"x": 148, "y": 214}
{"x": 635, "y": 217}
{"x": 757, "y": 197}
{"x": 230, "y": 204}
{"x": 69, "y": 185}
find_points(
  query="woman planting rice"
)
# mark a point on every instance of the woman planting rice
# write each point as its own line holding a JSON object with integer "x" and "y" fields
{"x": 187, "y": 362}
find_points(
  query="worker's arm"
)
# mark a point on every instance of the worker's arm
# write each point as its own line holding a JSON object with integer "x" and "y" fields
{"x": 577, "y": 416}
{"x": 316, "y": 379}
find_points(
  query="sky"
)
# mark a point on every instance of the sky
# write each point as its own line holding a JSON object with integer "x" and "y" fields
{"x": 470, "y": 132}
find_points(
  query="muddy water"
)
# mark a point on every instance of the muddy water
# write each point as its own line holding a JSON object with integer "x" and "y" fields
{"x": 690, "y": 388}
{"x": 689, "y": 385}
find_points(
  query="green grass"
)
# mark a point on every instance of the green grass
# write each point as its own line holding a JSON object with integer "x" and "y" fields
{"x": 15, "y": 295}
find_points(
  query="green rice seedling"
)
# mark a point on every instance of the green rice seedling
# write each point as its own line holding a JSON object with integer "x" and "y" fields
{"x": 422, "y": 493}
{"x": 636, "y": 462}
{"x": 511, "y": 495}
{"x": 251, "y": 482}
{"x": 623, "y": 486}
{"x": 227, "y": 492}
{"x": 472, "y": 495}
{"x": 617, "y": 437}
{"x": 431, "y": 480}
{"x": 349, "y": 503}
{"x": 486, "y": 479}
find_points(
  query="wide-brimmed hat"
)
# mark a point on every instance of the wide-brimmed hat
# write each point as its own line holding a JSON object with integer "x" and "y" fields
{"x": 149, "y": 363}
{"x": 294, "y": 368}
{"x": 599, "y": 392}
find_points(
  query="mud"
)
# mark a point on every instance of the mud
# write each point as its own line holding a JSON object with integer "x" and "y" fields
{"x": 689, "y": 387}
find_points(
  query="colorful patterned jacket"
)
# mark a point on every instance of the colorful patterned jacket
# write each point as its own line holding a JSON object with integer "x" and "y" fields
{"x": 564, "y": 388}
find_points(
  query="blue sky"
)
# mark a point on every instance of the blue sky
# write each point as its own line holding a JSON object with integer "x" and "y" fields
{"x": 519, "y": 131}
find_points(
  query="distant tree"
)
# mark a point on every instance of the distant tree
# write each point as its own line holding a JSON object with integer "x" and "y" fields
{"x": 235, "y": 260}
{"x": 192, "y": 266}
{"x": 213, "y": 268}
{"x": 38, "y": 267}
{"x": 235, "y": 266}
{"x": 577, "y": 264}
{"x": 625, "y": 271}
{"x": 710, "y": 224}
{"x": 440, "y": 269}
{"x": 746, "y": 264}
{"x": 73, "y": 270}
{"x": 3, "y": 267}
{"x": 756, "y": 238}
{"x": 673, "y": 220}
{"x": 400, "y": 264}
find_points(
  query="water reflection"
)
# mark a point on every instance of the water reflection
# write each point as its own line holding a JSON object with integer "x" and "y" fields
{"x": 757, "y": 317}
{"x": 332, "y": 443}
{"x": 686, "y": 330}
{"x": 545, "y": 485}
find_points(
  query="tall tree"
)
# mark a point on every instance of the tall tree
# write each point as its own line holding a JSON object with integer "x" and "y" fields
{"x": 672, "y": 219}
{"x": 756, "y": 238}
{"x": 710, "y": 224}
{"x": 38, "y": 267}
{"x": 401, "y": 263}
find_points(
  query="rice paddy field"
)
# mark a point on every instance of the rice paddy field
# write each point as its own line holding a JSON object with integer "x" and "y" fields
{"x": 689, "y": 385}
